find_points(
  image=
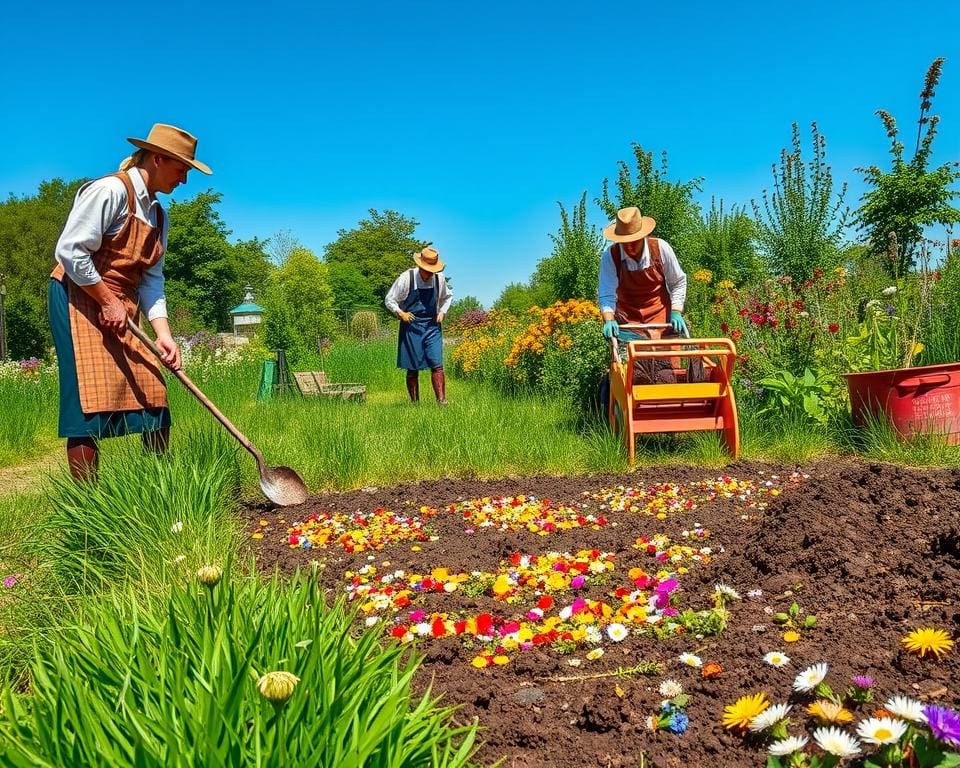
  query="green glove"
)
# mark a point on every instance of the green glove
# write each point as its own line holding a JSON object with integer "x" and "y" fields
{"x": 610, "y": 329}
{"x": 678, "y": 323}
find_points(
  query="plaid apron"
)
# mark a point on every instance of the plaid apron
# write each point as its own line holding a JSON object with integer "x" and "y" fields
{"x": 115, "y": 374}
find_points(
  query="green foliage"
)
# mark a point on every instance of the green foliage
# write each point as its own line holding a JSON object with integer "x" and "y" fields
{"x": 909, "y": 196}
{"x": 574, "y": 374}
{"x": 364, "y": 325}
{"x": 459, "y": 307}
{"x": 670, "y": 203}
{"x": 123, "y": 526}
{"x": 205, "y": 274}
{"x": 571, "y": 271}
{"x": 723, "y": 242}
{"x": 799, "y": 226}
{"x": 28, "y": 416}
{"x": 379, "y": 247}
{"x": 350, "y": 288}
{"x": 29, "y": 229}
{"x": 517, "y": 298}
{"x": 941, "y": 335}
{"x": 173, "y": 681}
{"x": 298, "y": 305}
{"x": 814, "y": 396}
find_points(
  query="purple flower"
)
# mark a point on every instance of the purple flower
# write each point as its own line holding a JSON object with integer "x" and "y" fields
{"x": 577, "y": 582}
{"x": 890, "y": 310}
{"x": 11, "y": 581}
{"x": 944, "y": 723}
{"x": 863, "y": 681}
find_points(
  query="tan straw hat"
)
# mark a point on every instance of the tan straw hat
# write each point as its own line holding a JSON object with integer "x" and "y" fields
{"x": 429, "y": 259}
{"x": 173, "y": 142}
{"x": 629, "y": 225}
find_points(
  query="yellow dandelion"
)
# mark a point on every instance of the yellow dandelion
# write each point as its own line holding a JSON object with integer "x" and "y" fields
{"x": 739, "y": 714}
{"x": 829, "y": 712}
{"x": 791, "y": 636}
{"x": 927, "y": 640}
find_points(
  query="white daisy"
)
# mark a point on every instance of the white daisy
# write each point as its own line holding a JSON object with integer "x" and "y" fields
{"x": 728, "y": 592}
{"x": 670, "y": 688}
{"x": 690, "y": 660}
{"x": 769, "y": 717}
{"x": 371, "y": 620}
{"x": 836, "y": 741}
{"x": 810, "y": 678}
{"x": 881, "y": 730}
{"x": 788, "y": 745}
{"x": 907, "y": 708}
{"x": 755, "y": 593}
{"x": 617, "y": 632}
{"x": 176, "y": 527}
{"x": 776, "y": 659}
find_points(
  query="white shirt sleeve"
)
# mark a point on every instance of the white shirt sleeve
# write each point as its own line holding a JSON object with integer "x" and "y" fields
{"x": 445, "y": 298}
{"x": 153, "y": 300}
{"x": 398, "y": 292}
{"x": 608, "y": 282}
{"x": 674, "y": 276}
{"x": 95, "y": 212}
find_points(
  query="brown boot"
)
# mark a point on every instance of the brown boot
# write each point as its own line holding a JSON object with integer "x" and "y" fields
{"x": 413, "y": 385}
{"x": 83, "y": 458}
{"x": 439, "y": 382}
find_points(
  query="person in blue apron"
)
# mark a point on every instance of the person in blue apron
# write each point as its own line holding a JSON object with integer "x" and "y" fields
{"x": 420, "y": 297}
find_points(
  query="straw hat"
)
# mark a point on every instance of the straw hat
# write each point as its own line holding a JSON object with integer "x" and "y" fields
{"x": 429, "y": 259}
{"x": 629, "y": 225}
{"x": 173, "y": 142}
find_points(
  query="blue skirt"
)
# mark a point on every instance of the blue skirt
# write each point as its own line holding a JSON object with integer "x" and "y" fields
{"x": 73, "y": 421}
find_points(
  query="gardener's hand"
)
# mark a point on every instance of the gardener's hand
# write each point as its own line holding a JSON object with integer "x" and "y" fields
{"x": 610, "y": 329}
{"x": 405, "y": 316}
{"x": 113, "y": 316}
{"x": 678, "y": 323}
{"x": 439, "y": 317}
{"x": 169, "y": 352}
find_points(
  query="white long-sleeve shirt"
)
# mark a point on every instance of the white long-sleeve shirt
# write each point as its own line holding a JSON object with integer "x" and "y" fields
{"x": 99, "y": 210}
{"x": 673, "y": 275}
{"x": 401, "y": 288}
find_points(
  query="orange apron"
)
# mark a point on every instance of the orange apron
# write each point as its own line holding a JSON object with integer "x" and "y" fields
{"x": 115, "y": 374}
{"x": 642, "y": 295}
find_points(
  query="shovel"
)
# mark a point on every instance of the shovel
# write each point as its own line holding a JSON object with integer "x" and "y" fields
{"x": 281, "y": 485}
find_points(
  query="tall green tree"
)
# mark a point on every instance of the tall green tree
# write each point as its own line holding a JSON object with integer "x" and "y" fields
{"x": 205, "y": 273}
{"x": 298, "y": 304}
{"x": 909, "y": 196}
{"x": 29, "y": 229}
{"x": 351, "y": 290}
{"x": 669, "y": 202}
{"x": 800, "y": 225}
{"x": 379, "y": 247}
{"x": 724, "y": 242}
{"x": 572, "y": 269}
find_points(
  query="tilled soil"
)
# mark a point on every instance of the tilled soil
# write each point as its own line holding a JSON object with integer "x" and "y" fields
{"x": 872, "y": 550}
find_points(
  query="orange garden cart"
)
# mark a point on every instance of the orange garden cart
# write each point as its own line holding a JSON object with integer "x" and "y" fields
{"x": 672, "y": 385}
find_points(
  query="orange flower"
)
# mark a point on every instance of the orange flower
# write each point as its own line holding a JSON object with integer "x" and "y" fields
{"x": 711, "y": 670}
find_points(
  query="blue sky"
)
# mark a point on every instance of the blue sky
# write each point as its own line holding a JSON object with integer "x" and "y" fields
{"x": 475, "y": 119}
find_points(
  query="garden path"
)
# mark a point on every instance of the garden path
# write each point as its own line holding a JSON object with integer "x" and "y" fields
{"x": 23, "y": 477}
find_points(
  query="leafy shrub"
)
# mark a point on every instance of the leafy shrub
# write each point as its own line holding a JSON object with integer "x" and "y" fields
{"x": 180, "y": 681}
{"x": 364, "y": 325}
{"x": 575, "y": 372}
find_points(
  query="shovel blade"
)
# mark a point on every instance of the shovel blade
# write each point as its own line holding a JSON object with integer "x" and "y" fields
{"x": 283, "y": 486}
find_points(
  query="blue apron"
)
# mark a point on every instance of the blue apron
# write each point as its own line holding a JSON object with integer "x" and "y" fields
{"x": 421, "y": 343}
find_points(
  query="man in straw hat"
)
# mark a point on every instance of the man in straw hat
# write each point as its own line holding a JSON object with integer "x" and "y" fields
{"x": 640, "y": 278}
{"x": 420, "y": 297}
{"x": 110, "y": 268}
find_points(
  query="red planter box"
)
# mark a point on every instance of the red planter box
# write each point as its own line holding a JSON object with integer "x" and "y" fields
{"x": 920, "y": 400}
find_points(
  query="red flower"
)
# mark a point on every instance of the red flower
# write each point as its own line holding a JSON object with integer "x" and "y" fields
{"x": 724, "y": 327}
{"x": 736, "y": 334}
{"x": 833, "y": 327}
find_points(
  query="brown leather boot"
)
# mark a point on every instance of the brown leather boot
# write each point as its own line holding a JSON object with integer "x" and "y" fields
{"x": 413, "y": 385}
{"x": 439, "y": 382}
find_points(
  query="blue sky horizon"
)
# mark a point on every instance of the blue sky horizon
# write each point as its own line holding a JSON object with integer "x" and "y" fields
{"x": 475, "y": 122}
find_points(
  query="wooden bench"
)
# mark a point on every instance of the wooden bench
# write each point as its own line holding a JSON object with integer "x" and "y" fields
{"x": 315, "y": 384}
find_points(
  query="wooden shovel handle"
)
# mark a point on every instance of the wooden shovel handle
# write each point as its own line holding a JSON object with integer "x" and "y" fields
{"x": 195, "y": 391}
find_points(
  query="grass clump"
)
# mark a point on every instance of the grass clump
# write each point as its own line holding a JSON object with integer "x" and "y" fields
{"x": 224, "y": 671}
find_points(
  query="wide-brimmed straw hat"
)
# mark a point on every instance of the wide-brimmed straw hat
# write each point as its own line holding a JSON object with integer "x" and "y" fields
{"x": 173, "y": 142}
{"x": 429, "y": 259}
{"x": 629, "y": 225}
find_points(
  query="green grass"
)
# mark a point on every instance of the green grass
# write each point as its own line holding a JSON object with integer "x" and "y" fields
{"x": 28, "y": 416}
{"x": 173, "y": 680}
